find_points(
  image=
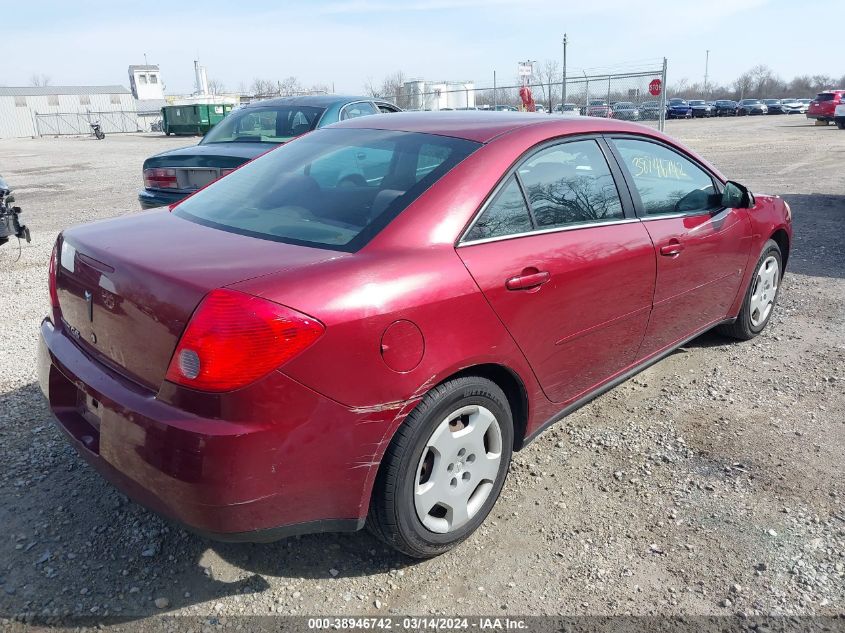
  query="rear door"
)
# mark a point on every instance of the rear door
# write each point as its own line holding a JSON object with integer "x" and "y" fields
{"x": 702, "y": 248}
{"x": 565, "y": 265}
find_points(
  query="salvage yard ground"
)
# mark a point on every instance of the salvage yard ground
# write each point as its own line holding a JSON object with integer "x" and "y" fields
{"x": 712, "y": 483}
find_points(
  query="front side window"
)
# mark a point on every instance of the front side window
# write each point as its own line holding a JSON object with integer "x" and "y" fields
{"x": 506, "y": 214}
{"x": 264, "y": 125}
{"x": 666, "y": 181}
{"x": 330, "y": 189}
{"x": 570, "y": 183}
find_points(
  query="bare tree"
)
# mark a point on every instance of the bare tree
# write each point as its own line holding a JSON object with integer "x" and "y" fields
{"x": 548, "y": 75}
{"x": 289, "y": 86}
{"x": 392, "y": 88}
{"x": 370, "y": 89}
{"x": 216, "y": 87}
{"x": 39, "y": 79}
{"x": 743, "y": 85}
{"x": 262, "y": 87}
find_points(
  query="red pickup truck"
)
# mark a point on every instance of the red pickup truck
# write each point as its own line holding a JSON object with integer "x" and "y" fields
{"x": 822, "y": 107}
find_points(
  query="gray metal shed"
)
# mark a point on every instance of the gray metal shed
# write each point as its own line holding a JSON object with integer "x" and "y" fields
{"x": 47, "y": 110}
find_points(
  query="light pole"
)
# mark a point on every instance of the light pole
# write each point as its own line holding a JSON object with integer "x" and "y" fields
{"x": 706, "y": 69}
{"x": 563, "y": 80}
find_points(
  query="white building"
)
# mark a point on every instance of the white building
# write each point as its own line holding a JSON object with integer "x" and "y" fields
{"x": 52, "y": 110}
{"x": 145, "y": 82}
{"x": 438, "y": 95}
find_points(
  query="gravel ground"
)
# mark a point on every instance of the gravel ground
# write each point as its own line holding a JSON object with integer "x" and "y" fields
{"x": 712, "y": 483}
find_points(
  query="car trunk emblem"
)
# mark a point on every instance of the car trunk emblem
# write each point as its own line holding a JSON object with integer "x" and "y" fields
{"x": 89, "y": 299}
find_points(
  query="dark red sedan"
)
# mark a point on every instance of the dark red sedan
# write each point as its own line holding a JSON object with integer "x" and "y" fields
{"x": 360, "y": 326}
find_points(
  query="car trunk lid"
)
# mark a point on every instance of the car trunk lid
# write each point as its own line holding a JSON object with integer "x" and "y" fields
{"x": 127, "y": 287}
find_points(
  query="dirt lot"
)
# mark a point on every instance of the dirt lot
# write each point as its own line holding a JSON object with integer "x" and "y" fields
{"x": 712, "y": 483}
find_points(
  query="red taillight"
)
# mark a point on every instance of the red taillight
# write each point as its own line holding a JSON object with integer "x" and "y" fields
{"x": 234, "y": 338}
{"x": 160, "y": 178}
{"x": 54, "y": 294}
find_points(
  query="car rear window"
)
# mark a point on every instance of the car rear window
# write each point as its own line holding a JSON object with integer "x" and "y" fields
{"x": 825, "y": 96}
{"x": 334, "y": 188}
{"x": 265, "y": 124}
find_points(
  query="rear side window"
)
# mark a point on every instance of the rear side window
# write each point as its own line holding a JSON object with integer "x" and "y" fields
{"x": 354, "y": 110}
{"x": 666, "y": 181}
{"x": 507, "y": 214}
{"x": 570, "y": 183}
{"x": 331, "y": 189}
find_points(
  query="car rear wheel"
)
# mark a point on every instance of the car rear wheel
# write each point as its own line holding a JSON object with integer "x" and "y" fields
{"x": 761, "y": 296}
{"x": 444, "y": 469}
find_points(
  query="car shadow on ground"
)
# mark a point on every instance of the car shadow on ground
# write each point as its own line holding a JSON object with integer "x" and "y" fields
{"x": 818, "y": 221}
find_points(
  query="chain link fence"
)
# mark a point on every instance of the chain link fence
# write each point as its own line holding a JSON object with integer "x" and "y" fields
{"x": 113, "y": 121}
{"x": 633, "y": 96}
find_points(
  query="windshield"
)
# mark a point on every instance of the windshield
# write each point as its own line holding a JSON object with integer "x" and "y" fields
{"x": 270, "y": 124}
{"x": 696, "y": 103}
{"x": 624, "y": 105}
{"x": 331, "y": 189}
{"x": 825, "y": 96}
{"x": 749, "y": 101}
{"x": 677, "y": 102}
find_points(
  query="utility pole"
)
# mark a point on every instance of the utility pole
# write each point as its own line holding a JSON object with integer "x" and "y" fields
{"x": 706, "y": 69}
{"x": 563, "y": 81}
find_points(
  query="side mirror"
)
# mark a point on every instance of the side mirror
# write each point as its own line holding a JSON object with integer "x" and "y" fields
{"x": 737, "y": 196}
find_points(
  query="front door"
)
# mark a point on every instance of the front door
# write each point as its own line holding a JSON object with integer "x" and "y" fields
{"x": 568, "y": 274}
{"x": 701, "y": 247}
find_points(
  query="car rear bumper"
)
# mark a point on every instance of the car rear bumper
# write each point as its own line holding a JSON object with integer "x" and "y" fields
{"x": 151, "y": 199}
{"x": 311, "y": 470}
{"x": 820, "y": 117}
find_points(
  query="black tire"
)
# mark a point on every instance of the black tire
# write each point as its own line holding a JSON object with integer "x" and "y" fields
{"x": 743, "y": 329}
{"x": 840, "y": 125}
{"x": 392, "y": 516}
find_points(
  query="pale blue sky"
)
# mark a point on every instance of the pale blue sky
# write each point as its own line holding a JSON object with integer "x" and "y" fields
{"x": 344, "y": 43}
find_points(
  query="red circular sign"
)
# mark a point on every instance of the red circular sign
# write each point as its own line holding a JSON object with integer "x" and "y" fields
{"x": 654, "y": 87}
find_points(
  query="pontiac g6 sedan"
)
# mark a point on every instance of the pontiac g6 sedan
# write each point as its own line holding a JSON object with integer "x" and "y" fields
{"x": 287, "y": 351}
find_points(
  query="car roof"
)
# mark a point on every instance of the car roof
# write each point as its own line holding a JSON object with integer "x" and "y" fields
{"x": 483, "y": 127}
{"x": 319, "y": 101}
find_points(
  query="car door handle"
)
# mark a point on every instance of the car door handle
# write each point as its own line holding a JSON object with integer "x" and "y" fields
{"x": 528, "y": 280}
{"x": 672, "y": 249}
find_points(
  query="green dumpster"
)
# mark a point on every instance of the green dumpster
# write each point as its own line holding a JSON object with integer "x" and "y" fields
{"x": 193, "y": 120}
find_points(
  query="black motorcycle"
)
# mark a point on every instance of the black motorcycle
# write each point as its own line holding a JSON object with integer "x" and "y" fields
{"x": 98, "y": 132}
{"x": 10, "y": 225}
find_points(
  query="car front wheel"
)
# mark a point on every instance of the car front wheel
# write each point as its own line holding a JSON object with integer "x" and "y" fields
{"x": 444, "y": 469}
{"x": 761, "y": 296}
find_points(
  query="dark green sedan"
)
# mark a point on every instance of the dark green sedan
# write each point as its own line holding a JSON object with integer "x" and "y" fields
{"x": 244, "y": 134}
